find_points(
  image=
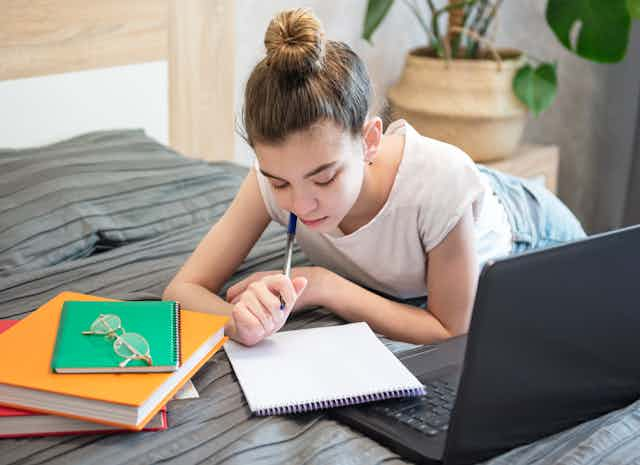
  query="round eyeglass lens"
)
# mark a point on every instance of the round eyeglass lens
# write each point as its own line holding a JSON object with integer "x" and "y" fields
{"x": 105, "y": 324}
{"x": 126, "y": 344}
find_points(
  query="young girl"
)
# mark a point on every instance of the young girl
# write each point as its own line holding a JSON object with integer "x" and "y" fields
{"x": 397, "y": 213}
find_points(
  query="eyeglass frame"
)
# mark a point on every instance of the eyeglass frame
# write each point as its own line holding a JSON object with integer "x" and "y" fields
{"x": 113, "y": 332}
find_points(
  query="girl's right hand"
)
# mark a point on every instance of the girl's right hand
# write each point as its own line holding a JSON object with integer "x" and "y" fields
{"x": 256, "y": 313}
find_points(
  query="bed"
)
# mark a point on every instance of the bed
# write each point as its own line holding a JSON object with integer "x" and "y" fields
{"x": 115, "y": 213}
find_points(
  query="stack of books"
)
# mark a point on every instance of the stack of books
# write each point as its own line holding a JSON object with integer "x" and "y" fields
{"x": 63, "y": 373}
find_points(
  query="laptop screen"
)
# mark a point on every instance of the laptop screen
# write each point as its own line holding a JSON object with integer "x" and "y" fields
{"x": 553, "y": 342}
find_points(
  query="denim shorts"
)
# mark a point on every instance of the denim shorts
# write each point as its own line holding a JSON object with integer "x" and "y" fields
{"x": 538, "y": 218}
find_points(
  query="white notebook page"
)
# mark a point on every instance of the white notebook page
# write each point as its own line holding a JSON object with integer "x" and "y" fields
{"x": 315, "y": 368}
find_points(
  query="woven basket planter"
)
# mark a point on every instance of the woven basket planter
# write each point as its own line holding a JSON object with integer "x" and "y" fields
{"x": 468, "y": 103}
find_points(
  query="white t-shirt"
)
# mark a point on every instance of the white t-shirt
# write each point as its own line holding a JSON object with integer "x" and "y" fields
{"x": 434, "y": 185}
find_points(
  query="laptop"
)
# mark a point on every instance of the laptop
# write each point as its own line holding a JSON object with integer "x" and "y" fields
{"x": 553, "y": 341}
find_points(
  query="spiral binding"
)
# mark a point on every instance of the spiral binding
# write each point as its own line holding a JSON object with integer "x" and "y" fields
{"x": 177, "y": 335}
{"x": 341, "y": 402}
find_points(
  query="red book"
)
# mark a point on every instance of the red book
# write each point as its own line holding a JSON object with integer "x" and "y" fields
{"x": 20, "y": 423}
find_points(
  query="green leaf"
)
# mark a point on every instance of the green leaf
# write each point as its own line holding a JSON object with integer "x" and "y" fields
{"x": 376, "y": 12}
{"x": 536, "y": 88}
{"x": 634, "y": 8}
{"x": 602, "y": 27}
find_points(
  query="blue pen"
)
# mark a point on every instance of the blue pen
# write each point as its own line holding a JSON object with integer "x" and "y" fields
{"x": 291, "y": 234}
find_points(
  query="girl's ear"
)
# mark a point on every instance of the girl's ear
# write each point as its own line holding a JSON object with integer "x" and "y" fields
{"x": 371, "y": 138}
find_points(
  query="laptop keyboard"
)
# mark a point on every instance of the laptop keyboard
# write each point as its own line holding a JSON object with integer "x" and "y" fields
{"x": 428, "y": 414}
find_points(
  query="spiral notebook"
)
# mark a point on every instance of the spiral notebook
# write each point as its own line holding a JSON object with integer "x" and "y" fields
{"x": 318, "y": 368}
{"x": 157, "y": 321}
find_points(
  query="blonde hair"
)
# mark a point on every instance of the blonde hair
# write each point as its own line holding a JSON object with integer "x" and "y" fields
{"x": 303, "y": 79}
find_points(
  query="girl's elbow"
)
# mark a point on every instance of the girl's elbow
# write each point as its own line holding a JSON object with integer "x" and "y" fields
{"x": 457, "y": 332}
{"x": 449, "y": 329}
{"x": 169, "y": 292}
{"x": 459, "y": 329}
{"x": 452, "y": 329}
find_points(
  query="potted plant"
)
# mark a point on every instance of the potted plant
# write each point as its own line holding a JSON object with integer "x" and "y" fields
{"x": 461, "y": 89}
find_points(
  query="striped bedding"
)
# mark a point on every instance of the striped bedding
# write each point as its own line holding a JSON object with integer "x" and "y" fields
{"x": 99, "y": 191}
{"x": 116, "y": 214}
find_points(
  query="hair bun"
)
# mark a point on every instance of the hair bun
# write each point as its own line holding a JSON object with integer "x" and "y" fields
{"x": 295, "y": 43}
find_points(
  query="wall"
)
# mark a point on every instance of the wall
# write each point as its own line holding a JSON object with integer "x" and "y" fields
{"x": 41, "y": 110}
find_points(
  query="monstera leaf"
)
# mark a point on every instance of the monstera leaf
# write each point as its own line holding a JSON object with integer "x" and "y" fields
{"x": 376, "y": 11}
{"x": 536, "y": 87}
{"x": 597, "y": 30}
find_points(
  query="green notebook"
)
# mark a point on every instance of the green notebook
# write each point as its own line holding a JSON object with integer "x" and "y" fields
{"x": 158, "y": 322}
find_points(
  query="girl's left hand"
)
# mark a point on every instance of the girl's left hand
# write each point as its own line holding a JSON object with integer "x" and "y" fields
{"x": 309, "y": 297}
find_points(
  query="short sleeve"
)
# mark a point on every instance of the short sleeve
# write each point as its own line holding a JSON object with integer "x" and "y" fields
{"x": 277, "y": 214}
{"x": 452, "y": 183}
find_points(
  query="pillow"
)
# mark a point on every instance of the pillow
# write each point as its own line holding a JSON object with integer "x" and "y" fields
{"x": 99, "y": 190}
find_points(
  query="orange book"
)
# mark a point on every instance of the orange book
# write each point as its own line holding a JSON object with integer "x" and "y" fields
{"x": 126, "y": 400}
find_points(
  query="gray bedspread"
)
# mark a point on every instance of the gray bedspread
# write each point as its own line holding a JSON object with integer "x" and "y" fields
{"x": 138, "y": 256}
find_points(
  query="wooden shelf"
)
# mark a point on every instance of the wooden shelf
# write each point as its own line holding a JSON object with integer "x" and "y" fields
{"x": 534, "y": 162}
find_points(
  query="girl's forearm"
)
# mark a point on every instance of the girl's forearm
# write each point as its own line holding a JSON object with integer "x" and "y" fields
{"x": 393, "y": 319}
{"x": 197, "y": 298}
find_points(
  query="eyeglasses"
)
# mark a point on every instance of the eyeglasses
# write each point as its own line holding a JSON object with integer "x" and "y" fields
{"x": 130, "y": 346}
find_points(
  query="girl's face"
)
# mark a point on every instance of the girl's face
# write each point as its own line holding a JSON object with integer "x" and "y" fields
{"x": 318, "y": 173}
